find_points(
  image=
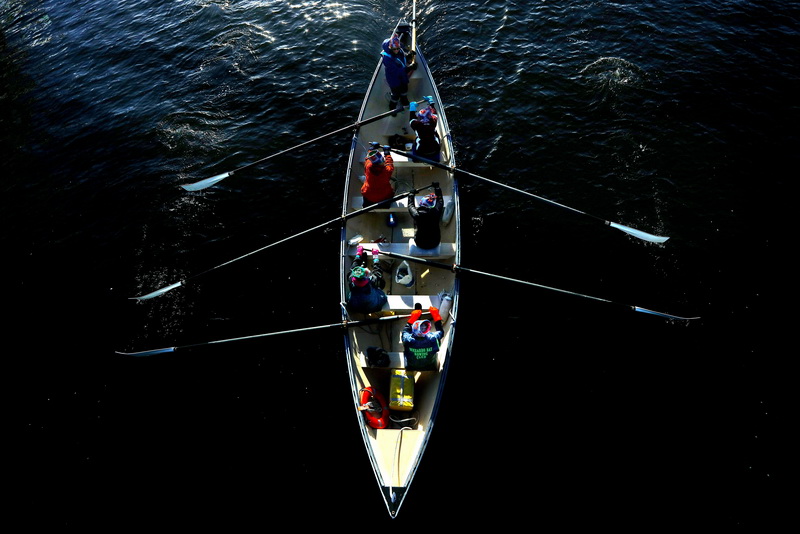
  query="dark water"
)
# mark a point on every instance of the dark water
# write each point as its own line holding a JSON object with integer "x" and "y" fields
{"x": 679, "y": 118}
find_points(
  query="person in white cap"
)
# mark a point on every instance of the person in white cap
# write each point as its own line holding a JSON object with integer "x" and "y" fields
{"x": 427, "y": 215}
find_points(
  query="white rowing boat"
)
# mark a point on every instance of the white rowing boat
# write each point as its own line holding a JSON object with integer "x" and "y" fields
{"x": 395, "y": 440}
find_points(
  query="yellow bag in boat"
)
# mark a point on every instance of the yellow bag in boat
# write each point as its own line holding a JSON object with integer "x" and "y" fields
{"x": 401, "y": 391}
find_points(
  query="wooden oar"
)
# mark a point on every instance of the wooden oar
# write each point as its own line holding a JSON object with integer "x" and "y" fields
{"x": 170, "y": 287}
{"x": 414, "y": 27}
{"x": 343, "y": 324}
{"x": 627, "y": 229}
{"x": 208, "y": 182}
{"x": 458, "y": 268}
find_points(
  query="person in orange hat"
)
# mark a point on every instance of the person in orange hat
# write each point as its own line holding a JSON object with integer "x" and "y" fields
{"x": 378, "y": 170}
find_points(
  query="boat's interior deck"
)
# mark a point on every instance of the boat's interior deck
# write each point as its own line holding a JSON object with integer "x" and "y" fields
{"x": 429, "y": 282}
{"x": 396, "y": 235}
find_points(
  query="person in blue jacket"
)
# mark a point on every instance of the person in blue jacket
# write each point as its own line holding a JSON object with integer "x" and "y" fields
{"x": 420, "y": 343}
{"x": 366, "y": 285}
{"x": 397, "y": 70}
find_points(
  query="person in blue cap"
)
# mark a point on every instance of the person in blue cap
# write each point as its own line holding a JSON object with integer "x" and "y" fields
{"x": 366, "y": 285}
{"x": 397, "y": 71}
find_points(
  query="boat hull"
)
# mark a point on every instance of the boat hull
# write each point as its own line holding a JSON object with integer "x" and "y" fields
{"x": 396, "y": 452}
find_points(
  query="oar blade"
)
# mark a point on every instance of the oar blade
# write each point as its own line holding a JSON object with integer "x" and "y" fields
{"x": 638, "y": 233}
{"x": 668, "y": 316}
{"x": 158, "y": 292}
{"x": 208, "y": 182}
{"x": 148, "y": 352}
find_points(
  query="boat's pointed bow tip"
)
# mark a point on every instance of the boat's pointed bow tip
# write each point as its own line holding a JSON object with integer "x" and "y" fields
{"x": 394, "y": 498}
{"x": 393, "y": 510}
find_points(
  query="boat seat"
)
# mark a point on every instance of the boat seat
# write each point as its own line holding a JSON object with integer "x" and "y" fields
{"x": 405, "y": 303}
{"x": 401, "y": 161}
{"x": 396, "y": 361}
{"x": 443, "y": 251}
{"x": 398, "y": 205}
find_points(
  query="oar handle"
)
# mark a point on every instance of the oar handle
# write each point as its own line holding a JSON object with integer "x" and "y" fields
{"x": 414, "y": 27}
{"x": 383, "y": 202}
{"x": 454, "y": 267}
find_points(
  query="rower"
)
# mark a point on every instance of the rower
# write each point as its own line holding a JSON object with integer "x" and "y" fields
{"x": 420, "y": 343}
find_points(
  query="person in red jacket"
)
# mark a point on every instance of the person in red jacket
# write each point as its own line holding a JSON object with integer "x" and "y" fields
{"x": 378, "y": 170}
